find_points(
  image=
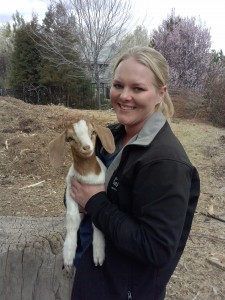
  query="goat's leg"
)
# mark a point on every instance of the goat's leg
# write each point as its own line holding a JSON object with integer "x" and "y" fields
{"x": 73, "y": 220}
{"x": 98, "y": 246}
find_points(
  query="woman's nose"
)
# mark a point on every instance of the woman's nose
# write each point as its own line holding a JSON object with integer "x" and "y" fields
{"x": 125, "y": 94}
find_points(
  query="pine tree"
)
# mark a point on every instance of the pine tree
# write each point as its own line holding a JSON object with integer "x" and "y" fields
{"x": 62, "y": 69}
{"x": 25, "y": 58}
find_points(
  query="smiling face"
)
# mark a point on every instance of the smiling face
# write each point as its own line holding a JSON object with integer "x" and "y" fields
{"x": 133, "y": 94}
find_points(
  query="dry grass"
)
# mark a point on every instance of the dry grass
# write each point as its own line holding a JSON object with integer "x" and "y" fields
{"x": 30, "y": 187}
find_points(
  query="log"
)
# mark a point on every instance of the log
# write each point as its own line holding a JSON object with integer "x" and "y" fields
{"x": 31, "y": 259}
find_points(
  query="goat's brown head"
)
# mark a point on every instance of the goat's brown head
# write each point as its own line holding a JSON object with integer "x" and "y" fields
{"x": 82, "y": 138}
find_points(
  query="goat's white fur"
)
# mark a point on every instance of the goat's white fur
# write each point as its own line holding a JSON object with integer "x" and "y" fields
{"x": 73, "y": 217}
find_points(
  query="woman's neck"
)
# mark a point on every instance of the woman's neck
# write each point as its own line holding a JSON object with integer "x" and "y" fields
{"x": 127, "y": 136}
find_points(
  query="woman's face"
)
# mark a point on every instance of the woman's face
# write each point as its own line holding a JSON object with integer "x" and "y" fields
{"x": 133, "y": 95}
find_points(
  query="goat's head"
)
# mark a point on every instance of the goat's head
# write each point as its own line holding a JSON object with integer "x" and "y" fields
{"x": 82, "y": 138}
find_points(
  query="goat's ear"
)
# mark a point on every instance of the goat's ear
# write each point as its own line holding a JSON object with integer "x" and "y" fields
{"x": 106, "y": 138}
{"x": 56, "y": 149}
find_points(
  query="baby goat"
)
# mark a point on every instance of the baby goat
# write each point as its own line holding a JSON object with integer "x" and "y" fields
{"x": 88, "y": 169}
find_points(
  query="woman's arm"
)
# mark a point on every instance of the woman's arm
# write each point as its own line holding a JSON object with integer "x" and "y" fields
{"x": 160, "y": 204}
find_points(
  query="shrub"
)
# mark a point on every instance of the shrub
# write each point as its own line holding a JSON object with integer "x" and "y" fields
{"x": 215, "y": 93}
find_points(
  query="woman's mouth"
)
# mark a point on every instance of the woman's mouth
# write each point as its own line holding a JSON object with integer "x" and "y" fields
{"x": 126, "y": 107}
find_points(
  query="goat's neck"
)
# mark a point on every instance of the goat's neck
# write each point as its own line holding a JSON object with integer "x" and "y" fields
{"x": 87, "y": 165}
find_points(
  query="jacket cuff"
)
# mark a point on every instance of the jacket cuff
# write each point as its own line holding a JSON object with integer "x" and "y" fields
{"x": 95, "y": 203}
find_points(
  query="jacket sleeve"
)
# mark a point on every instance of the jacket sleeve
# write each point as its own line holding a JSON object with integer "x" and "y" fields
{"x": 160, "y": 201}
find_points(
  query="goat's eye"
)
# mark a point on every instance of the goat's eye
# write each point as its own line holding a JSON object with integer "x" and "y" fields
{"x": 93, "y": 133}
{"x": 69, "y": 139}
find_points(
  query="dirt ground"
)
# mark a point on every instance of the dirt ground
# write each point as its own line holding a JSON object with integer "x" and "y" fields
{"x": 29, "y": 186}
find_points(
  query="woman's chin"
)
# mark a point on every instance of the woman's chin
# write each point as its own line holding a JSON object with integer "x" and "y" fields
{"x": 125, "y": 120}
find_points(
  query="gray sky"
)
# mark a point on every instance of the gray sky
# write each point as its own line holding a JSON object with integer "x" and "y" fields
{"x": 211, "y": 13}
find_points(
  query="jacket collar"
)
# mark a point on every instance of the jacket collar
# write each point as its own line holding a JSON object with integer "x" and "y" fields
{"x": 143, "y": 138}
{"x": 149, "y": 130}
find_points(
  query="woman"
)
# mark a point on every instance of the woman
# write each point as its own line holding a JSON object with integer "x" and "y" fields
{"x": 146, "y": 207}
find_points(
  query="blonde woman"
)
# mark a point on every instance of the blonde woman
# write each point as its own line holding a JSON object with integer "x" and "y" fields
{"x": 146, "y": 207}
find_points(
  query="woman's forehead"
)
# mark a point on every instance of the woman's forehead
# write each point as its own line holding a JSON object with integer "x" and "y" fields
{"x": 132, "y": 69}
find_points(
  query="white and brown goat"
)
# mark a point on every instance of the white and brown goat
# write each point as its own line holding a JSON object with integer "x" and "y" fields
{"x": 88, "y": 169}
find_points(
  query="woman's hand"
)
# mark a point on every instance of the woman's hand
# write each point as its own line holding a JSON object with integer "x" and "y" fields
{"x": 81, "y": 193}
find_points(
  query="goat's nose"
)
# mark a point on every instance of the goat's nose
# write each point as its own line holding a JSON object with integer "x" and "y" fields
{"x": 86, "y": 148}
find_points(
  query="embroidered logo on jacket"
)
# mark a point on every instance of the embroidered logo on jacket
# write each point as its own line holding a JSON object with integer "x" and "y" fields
{"x": 115, "y": 184}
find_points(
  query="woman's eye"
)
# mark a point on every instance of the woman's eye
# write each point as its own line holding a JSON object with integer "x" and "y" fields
{"x": 117, "y": 85}
{"x": 138, "y": 89}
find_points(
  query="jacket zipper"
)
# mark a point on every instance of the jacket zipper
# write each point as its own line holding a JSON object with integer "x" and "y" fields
{"x": 129, "y": 296}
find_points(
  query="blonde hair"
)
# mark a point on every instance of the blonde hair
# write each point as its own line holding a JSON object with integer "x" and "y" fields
{"x": 157, "y": 63}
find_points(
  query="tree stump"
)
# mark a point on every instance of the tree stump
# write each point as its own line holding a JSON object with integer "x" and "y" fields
{"x": 31, "y": 259}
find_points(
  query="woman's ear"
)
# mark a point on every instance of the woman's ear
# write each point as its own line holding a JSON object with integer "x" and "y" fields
{"x": 163, "y": 92}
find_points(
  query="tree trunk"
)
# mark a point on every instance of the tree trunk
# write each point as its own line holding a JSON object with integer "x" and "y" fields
{"x": 31, "y": 259}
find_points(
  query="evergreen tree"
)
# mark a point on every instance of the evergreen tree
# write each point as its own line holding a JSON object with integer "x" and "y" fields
{"x": 6, "y": 48}
{"x": 58, "y": 45}
{"x": 62, "y": 69}
{"x": 25, "y": 57}
{"x": 218, "y": 56}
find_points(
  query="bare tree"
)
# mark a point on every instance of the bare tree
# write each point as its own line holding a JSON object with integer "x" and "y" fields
{"x": 58, "y": 39}
{"x": 93, "y": 27}
{"x": 100, "y": 24}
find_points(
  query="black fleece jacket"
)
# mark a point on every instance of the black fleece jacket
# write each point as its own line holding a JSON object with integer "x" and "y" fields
{"x": 146, "y": 216}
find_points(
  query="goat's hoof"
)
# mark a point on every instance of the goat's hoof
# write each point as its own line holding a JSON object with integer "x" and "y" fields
{"x": 68, "y": 270}
{"x": 98, "y": 255}
{"x": 99, "y": 260}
